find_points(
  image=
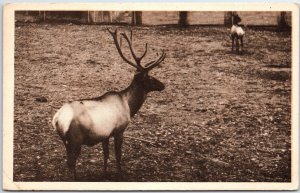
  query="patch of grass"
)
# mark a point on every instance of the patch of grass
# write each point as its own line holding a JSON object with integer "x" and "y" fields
{"x": 222, "y": 117}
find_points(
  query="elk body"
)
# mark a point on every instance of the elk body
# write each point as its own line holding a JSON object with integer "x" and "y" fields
{"x": 236, "y": 33}
{"x": 91, "y": 121}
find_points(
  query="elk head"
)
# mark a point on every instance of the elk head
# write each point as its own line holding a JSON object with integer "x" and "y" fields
{"x": 236, "y": 19}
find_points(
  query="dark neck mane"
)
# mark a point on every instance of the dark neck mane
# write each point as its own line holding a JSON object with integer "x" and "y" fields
{"x": 236, "y": 20}
{"x": 135, "y": 94}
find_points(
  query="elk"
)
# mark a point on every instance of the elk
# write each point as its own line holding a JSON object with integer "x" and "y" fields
{"x": 236, "y": 33}
{"x": 91, "y": 121}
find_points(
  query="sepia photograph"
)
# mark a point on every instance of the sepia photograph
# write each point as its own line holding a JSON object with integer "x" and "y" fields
{"x": 161, "y": 97}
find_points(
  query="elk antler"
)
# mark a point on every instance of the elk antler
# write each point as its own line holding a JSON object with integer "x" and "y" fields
{"x": 114, "y": 35}
{"x": 154, "y": 63}
{"x": 138, "y": 66}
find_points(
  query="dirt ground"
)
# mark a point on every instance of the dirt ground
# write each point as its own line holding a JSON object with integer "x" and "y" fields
{"x": 222, "y": 117}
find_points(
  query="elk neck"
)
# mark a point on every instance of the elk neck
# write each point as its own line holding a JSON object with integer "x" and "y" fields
{"x": 135, "y": 95}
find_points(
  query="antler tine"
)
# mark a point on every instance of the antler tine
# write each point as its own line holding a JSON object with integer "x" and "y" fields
{"x": 114, "y": 35}
{"x": 154, "y": 63}
{"x": 137, "y": 59}
{"x": 163, "y": 56}
{"x": 145, "y": 52}
{"x": 131, "y": 49}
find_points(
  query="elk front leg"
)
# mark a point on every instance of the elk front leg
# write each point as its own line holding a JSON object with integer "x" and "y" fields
{"x": 118, "y": 149}
{"x": 232, "y": 40}
{"x": 105, "y": 146}
{"x": 242, "y": 44}
{"x": 237, "y": 44}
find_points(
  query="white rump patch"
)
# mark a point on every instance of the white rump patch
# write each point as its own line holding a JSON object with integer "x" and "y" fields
{"x": 63, "y": 117}
{"x": 238, "y": 30}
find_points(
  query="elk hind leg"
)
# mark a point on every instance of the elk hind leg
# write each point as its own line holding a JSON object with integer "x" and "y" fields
{"x": 73, "y": 151}
{"x": 73, "y": 146}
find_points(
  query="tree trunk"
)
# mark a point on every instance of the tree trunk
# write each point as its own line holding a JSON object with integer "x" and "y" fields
{"x": 228, "y": 18}
{"x": 282, "y": 24}
{"x": 136, "y": 18}
{"x": 183, "y": 19}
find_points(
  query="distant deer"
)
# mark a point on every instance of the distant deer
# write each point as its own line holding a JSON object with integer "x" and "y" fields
{"x": 236, "y": 33}
{"x": 90, "y": 121}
